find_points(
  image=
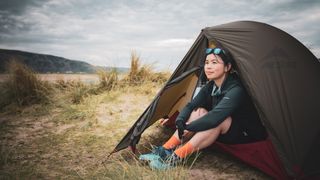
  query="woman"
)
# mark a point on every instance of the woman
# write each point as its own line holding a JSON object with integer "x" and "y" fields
{"x": 222, "y": 111}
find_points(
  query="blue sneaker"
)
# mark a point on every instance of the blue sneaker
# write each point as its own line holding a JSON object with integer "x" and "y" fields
{"x": 149, "y": 157}
{"x": 168, "y": 163}
{"x": 158, "y": 152}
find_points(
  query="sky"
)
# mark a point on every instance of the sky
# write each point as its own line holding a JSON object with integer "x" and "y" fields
{"x": 106, "y": 32}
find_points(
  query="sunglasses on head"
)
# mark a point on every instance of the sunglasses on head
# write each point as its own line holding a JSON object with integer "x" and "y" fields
{"x": 216, "y": 51}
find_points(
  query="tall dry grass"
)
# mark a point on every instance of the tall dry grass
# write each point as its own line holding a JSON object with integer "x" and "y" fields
{"x": 108, "y": 80}
{"x": 75, "y": 90}
{"x": 78, "y": 92}
{"x": 141, "y": 73}
{"x": 23, "y": 87}
{"x": 135, "y": 66}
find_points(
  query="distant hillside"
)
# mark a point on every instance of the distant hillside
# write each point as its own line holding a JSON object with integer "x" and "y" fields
{"x": 47, "y": 63}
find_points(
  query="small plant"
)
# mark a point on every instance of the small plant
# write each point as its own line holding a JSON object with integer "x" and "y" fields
{"x": 108, "y": 79}
{"x": 135, "y": 65}
{"x": 160, "y": 77}
{"x": 143, "y": 73}
{"x": 78, "y": 92}
{"x": 61, "y": 84}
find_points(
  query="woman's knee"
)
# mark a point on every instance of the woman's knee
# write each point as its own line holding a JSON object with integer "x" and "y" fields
{"x": 202, "y": 111}
{"x": 196, "y": 114}
{"x": 225, "y": 125}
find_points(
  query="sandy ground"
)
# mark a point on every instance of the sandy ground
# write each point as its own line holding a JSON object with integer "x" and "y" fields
{"x": 86, "y": 78}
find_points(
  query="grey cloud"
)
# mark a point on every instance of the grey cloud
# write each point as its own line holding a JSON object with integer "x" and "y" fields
{"x": 10, "y": 10}
{"x": 296, "y": 5}
{"x": 104, "y": 32}
{"x": 18, "y": 7}
{"x": 9, "y": 25}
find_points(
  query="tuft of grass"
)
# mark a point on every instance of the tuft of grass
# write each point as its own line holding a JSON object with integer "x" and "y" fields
{"x": 108, "y": 79}
{"x": 134, "y": 68}
{"x": 160, "y": 77}
{"x": 138, "y": 73}
{"x": 141, "y": 73}
{"x": 78, "y": 92}
{"x": 62, "y": 84}
{"x": 23, "y": 87}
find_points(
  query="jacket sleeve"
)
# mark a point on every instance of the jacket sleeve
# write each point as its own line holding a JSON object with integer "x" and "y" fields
{"x": 227, "y": 105}
{"x": 196, "y": 102}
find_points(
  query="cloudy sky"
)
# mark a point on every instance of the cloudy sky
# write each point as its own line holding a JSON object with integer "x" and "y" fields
{"x": 105, "y": 32}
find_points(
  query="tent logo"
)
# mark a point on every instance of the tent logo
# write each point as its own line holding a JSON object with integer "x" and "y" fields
{"x": 277, "y": 58}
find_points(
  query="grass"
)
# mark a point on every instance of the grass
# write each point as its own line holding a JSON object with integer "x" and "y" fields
{"x": 108, "y": 79}
{"x": 140, "y": 73}
{"x": 72, "y": 136}
{"x": 23, "y": 87}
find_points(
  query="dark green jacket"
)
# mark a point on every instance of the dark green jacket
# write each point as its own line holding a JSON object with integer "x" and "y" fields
{"x": 232, "y": 101}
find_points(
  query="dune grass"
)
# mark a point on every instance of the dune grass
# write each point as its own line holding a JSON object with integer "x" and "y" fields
{"x": 80, "y": 127}
{"x": 108, "y": 79}
{"x": 23, "y": 87}
{"x": 140, "y": 73}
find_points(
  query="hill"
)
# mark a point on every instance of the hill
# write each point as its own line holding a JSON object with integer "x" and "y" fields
{"x": 43, "y": 63}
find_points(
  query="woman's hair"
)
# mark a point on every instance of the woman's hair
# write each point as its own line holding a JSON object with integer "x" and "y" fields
{"x": 228, "y": 59}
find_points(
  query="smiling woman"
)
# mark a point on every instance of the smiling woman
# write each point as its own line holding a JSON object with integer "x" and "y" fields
{"x": 215, "y": 68}
{"x": 222, "y": 111}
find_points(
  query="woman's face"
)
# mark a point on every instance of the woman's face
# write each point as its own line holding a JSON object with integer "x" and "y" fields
{"x": 214, "y": 67}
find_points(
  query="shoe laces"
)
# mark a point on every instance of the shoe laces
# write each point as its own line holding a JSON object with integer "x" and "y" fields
{"x": 162, "y": 152}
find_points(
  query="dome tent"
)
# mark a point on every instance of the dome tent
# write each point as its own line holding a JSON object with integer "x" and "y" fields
{"x": 281, "y": 76}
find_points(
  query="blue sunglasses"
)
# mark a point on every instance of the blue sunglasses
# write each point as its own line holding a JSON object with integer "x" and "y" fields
{"x": 216, "y": 51}
{"x": 220, "y": 52}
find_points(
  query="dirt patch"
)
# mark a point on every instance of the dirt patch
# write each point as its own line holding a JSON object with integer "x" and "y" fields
{"x": 86, "y": 78}
{"x": 103, "y": 114}
{"x": 61, "y": 129}
{"x": 125, "y": 106}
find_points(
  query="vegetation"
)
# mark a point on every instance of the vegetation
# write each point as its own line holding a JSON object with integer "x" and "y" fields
{"x": 23, "y": 87}
{"x": 141, "y": 73}
{"x": 66, "y": 129}
{"x": 108, "y": 80}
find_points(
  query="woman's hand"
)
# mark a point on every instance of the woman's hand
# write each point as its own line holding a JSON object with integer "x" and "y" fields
{"x": 187, "y": 133}
{"x": 180, "y": 125}
{"x": 163, "y": 121}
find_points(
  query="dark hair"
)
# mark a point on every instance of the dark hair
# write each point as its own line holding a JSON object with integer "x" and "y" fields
{"x": 226, "y": 56}
{"x": 227, "y": 59}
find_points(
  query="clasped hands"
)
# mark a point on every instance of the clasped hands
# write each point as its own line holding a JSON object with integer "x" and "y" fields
{"x": 180, "y": 125}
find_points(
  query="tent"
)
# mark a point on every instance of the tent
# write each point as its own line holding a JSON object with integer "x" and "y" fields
{"x": 281, "y": 76}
